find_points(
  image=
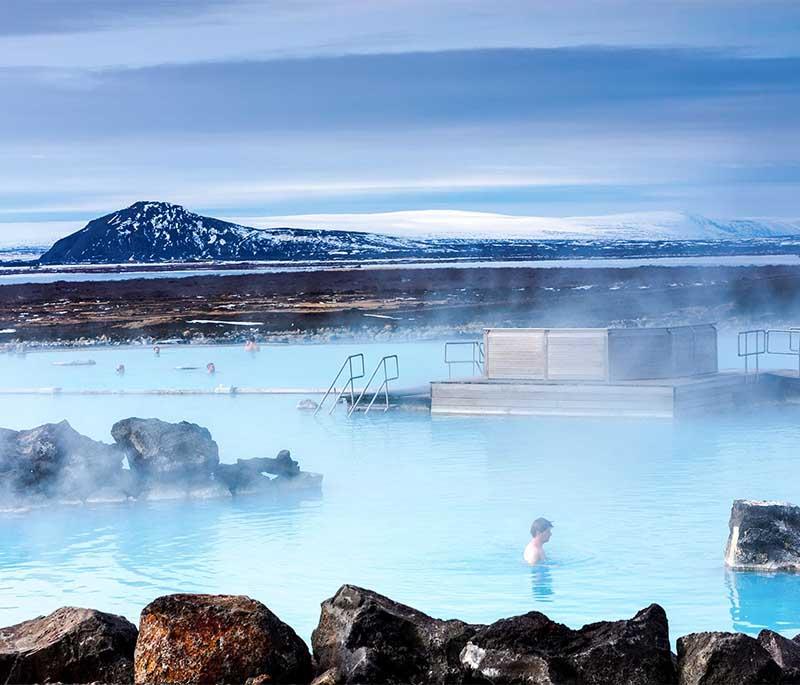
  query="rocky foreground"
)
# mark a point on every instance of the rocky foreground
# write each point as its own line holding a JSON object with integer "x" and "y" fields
{"x": 54, "y": 462}
{"x": 364, "y": 637}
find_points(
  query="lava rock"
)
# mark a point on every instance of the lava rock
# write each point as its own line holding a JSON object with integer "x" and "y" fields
{"x": 247, "y": 476}
{"x": 71, "y": 645}
{"x": 785, "y": 653}
{"x": 162, "y": 451}
{"x": 217, "y": 639}
{"x": 722, "y": 658}
{"x": 364, "y": 637}
{"x": 764, "y": 536}
{"x": 55, "y": 460}
{"x": 533, "y": 649}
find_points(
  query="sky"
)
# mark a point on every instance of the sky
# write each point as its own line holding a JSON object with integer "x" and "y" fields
{"x": 259, "y": 108}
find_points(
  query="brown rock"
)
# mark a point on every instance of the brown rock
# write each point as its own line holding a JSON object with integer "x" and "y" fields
{"x": 71, "y": 645}
{"x": 328, "y": 677}
{"x": 217, "y": 639}
{"x": 259, "y": 680}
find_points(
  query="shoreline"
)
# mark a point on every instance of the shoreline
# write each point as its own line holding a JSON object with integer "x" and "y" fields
{"x": 388, "y": 304}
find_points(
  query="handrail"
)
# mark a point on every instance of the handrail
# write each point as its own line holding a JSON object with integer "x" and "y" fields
{"x": 383, "y": 386}
{"x": 348, "y": 363}
{"x": 757, "y": 338}
{"x": 477, "y": 360}
{"x": 794, "y": 350}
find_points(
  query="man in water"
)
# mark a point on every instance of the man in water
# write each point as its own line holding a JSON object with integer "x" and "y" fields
{"x": 540, "y": 533}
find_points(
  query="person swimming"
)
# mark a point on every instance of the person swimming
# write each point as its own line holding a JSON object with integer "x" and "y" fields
{"x": 157, "y": 351}
{"x": 540, "y": 534}
{"x": 210, "y": 368}
{"x": 120, "y": 369}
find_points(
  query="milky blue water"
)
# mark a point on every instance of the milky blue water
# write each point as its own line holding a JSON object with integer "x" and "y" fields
{"x": 432, "y": 511}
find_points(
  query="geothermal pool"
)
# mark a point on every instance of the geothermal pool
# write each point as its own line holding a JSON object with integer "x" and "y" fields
{"x": 432, "y": 511}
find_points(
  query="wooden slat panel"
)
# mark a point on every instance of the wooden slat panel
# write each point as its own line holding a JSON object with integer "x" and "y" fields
{"x": 515, "y": 353}
{"x": 577, "y": 354}
{"x": 549, "y": 399}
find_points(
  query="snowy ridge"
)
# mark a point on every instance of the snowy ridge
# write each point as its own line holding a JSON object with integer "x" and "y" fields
{"x": 485, "y": 225}
{"x": 156, "y": 232}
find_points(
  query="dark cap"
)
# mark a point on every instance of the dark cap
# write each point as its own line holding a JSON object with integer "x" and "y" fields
{"x": 539, "y": 526}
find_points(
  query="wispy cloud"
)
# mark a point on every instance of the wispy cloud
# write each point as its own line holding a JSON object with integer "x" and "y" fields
{"x": 344, "y": 105}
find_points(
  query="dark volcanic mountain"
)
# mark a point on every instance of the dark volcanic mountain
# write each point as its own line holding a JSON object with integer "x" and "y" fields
{"x": 159, "y": 232}
{"x": 163, "y": 232}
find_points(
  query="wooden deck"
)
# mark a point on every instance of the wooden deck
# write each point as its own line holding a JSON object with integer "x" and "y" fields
{"x": 662, "y": 398}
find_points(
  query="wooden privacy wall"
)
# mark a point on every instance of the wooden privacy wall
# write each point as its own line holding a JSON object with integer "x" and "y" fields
{"x": 515, "y": 353}
{"x": 547, "y": 354}
{"x": 577, "y": 354}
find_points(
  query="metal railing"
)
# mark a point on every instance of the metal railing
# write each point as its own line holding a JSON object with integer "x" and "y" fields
{"x": 351, "y": 376}
{"x": 475, "y": 359}
{"x": 754, "y": 343}
{"x": 786, "y": 335}
{"x": 383, "y": 365}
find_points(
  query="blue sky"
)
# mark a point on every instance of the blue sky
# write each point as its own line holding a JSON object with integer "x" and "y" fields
{"x": 245, "y": 107}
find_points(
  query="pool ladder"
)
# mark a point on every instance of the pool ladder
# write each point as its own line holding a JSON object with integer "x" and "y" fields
{"x": 388, "y": 369}
{"x": 352, "y": 375}
{"x": 383, "y": 365}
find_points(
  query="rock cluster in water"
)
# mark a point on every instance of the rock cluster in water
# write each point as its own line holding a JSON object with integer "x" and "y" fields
{"x": 364, "y": 637}
{"x": 764, "y": 536}
{"x": 54, "y": 462}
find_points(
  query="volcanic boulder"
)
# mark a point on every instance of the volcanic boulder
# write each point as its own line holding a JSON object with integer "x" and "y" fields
{"x": 785, "y": 653}
{"x": 764, "y": 536}
{"x": 54, "y": 460}
{"x": 364, "y": 637}
{"x": 723, "y": 658}
{"x": 71, "y": 645}
{"x": 248, "y": 476}
{"x": 217, "y": 639}
{"x": 533, "y": 649}
{"x": 167, "y": 452}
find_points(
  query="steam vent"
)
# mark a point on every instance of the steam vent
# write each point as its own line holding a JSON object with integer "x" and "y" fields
{"x": 651, "y": 372}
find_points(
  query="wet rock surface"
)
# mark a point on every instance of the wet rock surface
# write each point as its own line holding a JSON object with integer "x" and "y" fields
{"x": 364, "y": 637}
{"x": 71, "y": 645}
{"x": 764, "y": 536}
{"x": 533, "y": 649}
{"x": 717, "y": 658}
{"x": 54, "y": 460}
{"x": 785, "y": 653}
{"x": 217, "y": 639}
{"x": 162, "y": 451}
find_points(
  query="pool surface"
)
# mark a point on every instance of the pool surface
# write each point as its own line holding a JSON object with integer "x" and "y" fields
{"x": 432, "y": 511}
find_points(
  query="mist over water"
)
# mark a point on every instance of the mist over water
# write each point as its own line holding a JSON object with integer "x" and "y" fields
{"x": 432, "y": 511}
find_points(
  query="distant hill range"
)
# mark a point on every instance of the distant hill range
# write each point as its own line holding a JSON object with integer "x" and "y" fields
{"x": 157, "y": 232}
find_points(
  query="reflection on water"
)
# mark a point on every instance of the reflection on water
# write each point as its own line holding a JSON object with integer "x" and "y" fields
{"x": 541, "y": 583}
{"x": 764, "y": 600}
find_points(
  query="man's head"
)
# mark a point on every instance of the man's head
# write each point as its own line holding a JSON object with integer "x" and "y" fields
{"x": 541, "y": 528}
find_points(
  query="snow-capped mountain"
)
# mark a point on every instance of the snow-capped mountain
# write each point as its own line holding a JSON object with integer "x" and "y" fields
{"x": 441, "y": 223}
{"x": 163, "y": 232}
